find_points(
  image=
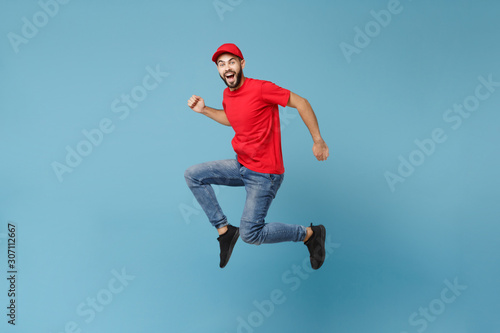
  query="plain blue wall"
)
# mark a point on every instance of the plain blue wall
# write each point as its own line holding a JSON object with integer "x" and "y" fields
{"x": 125, "y": 208}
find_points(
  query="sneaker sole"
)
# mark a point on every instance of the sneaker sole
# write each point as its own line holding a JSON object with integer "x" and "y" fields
{"x": 322, "y": 239}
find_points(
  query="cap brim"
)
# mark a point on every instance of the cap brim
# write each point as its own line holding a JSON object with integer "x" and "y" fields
{"x": 216, "y": 55}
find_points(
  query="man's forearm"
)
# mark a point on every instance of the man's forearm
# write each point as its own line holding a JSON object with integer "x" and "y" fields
{"x": 309, "y": 118}
{"x": 320, "y": 148}
{"x": 217, "y": 115}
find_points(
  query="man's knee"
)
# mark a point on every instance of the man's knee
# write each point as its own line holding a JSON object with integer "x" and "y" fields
{"x": 249, "y": 238}
{"x": 188, "y": 172}
{"x": 191, "y": 174}
{"x": 250, "y": 235}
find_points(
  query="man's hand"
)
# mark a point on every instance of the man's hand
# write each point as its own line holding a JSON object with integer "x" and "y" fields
{"x": 196, "y": 103}
{"x": 320, "y": 150}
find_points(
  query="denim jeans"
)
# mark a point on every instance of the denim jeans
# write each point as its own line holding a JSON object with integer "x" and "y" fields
{"x": 261, "y": 189}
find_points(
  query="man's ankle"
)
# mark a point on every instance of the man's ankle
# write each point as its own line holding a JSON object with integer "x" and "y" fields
{"x": 309, "y": 233}
{"x": 222, "y": 230}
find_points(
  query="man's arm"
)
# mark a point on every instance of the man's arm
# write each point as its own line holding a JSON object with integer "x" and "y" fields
{"x": 320, "y": 149}
{"x": 197, "y": 104}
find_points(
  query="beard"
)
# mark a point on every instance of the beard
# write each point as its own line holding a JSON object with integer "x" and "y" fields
{"x": 237, "y": 80}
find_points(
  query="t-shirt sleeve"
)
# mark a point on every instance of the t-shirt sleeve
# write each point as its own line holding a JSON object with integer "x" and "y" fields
{"x": 273, "y": 94}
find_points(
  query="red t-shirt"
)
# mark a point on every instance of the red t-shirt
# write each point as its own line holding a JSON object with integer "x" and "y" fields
{"x": 253, "y": 113}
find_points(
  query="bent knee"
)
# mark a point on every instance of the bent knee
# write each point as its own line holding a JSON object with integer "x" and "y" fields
{"x": 188, "y": 172}
{"x": 250, "y": 236}
{"x": 191, "y": 173}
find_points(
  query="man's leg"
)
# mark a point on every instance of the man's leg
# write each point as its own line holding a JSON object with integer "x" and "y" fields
{"x": 261, "y": 190}
{"x": 199, "y": 179}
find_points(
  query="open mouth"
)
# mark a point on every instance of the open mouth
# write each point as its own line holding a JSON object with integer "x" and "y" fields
{"x": 230, "y": 77}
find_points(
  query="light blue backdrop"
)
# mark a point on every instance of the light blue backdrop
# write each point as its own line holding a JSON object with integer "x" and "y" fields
{"x": 112, "y": 241}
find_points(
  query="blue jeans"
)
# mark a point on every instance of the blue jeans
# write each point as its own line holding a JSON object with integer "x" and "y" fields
{"x": 261, "y": 189}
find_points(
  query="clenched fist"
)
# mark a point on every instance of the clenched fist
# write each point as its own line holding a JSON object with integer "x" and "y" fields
{"x": 196, "y": 103}
{"x": 320, "y": 150}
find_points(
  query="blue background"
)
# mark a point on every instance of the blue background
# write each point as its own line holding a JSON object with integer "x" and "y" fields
{"x": 126, "y": 205}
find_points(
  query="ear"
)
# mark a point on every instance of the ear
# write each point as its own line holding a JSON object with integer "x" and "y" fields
{"x": 242, "y": 63}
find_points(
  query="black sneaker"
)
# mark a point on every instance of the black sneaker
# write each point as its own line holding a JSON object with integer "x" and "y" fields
{"x": 226, "y": 243}
{"x": 316, "y": 246}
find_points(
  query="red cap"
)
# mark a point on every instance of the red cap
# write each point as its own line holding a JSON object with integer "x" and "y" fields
{"x": 227, "y": 48}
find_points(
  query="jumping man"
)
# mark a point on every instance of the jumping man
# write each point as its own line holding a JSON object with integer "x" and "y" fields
{"x": 251, "y": 109}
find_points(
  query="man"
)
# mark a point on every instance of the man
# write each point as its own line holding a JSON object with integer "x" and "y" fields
{"x": 251, "y": 109}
